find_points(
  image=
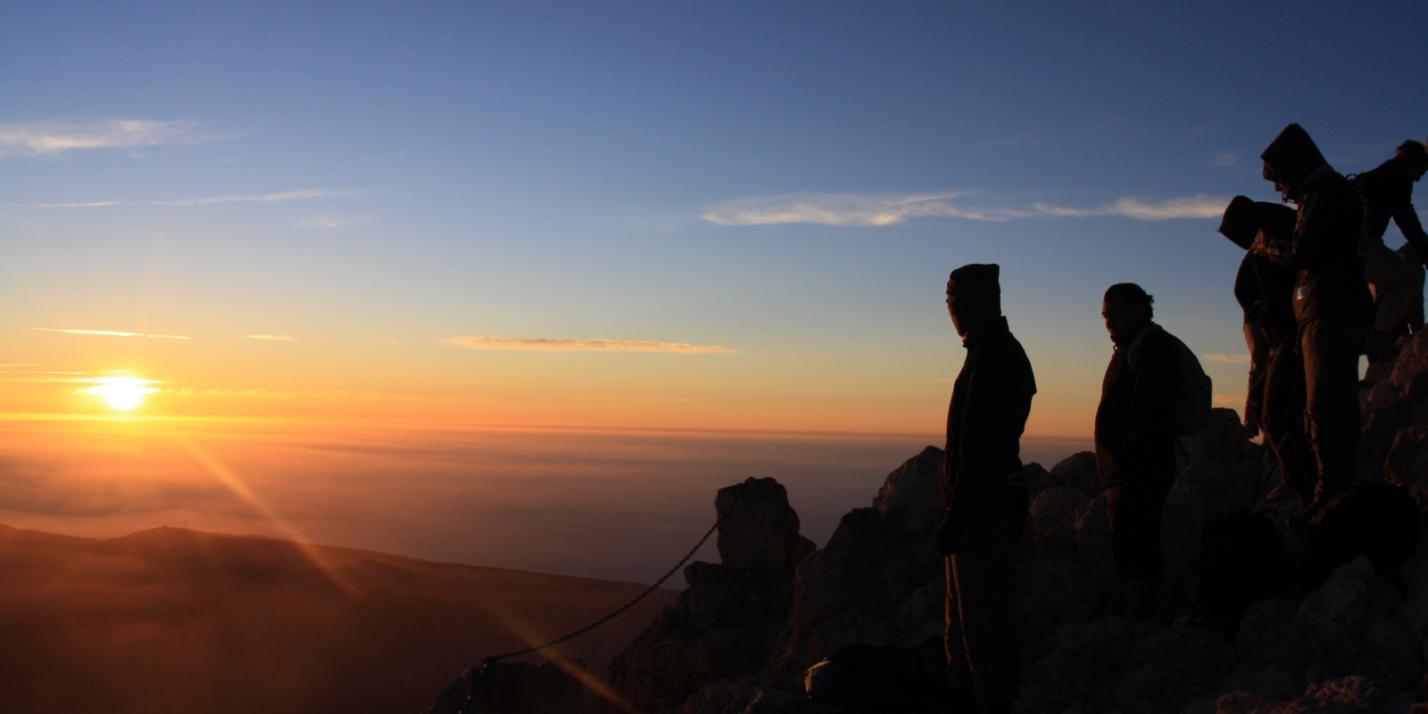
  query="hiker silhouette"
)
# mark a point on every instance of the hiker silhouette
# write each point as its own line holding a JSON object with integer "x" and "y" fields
{"x": 983, "y": 494}
{"x": 1331, "y": 301}
{"x": 1395, "y": 277}
{"x": 1135, "y": 440}
{"x": 1264, "y": 287}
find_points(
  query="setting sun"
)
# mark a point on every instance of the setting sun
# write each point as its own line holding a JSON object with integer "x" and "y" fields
{"x": 121, "y": 392}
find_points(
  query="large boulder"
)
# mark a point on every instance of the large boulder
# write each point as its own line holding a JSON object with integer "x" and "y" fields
{"x": 758, "y": 530}
{"x": 909, "y": 499}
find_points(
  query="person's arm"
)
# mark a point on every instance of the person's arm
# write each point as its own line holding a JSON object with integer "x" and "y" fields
{"x": 1406, "y": 218}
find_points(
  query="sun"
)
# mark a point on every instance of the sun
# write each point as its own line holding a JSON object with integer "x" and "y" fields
{"x": 122, "y": 393}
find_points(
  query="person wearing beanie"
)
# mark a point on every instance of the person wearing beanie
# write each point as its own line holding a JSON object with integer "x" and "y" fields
{"x": 1135, "y": 441}
{"x": 984, "y": 495}
{"x": 1331, "y": 303}
{"x": 1264, "y": 288}
{"x": 1395, "y": 277}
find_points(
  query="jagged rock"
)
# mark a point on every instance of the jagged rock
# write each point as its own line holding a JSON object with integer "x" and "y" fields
{"x": 1394, "y": 403}
{"x": 1052, "y": 519}
{"x": 1202, "y": 491}
{"x": 1037, "y": 479}
{"x": 858, "y": 588}
{"x": 1223, "y": 440}
{"x": 1079, "y": 668}
{"x": 758, "y": 530}
{"x": 512, "y": 688}
{"x": 1078, "y": 471}
{"x": 908, "y": 498}
{"x": 1053, "y": 589}
{"x": 1093, "y": 540}
{"x": 1335, "y": 613}
{"x": 1407, "y": 461}
{"x": 1344, "y": 695}
{"x": 1391, "y": 642}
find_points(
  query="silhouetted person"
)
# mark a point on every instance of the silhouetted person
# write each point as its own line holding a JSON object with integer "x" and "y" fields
{"x": 1264, "y": 288}
{"x": 1396, "y": 278}
{"x": 1135, "y": 440}
{"x": 982, "y": 488}
{"x": 1331, "y": 301}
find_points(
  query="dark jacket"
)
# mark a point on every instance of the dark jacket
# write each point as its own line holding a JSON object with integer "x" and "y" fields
{"x": 1329, "y": 283}
{"x": 1135, "y": 422}
{"x": 1388, "y": 193}
{"x": 990, "y": 403}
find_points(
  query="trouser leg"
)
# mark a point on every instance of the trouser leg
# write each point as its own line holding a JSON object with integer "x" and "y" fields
{"x": 1284, "y": 420}
{"x": 1393, "y": 283}
{"x": 1254, "y": 395}
{"x": 1331, "y": 401}
{"x": 982, "y": 583}
{"x": 1135, "y": 511}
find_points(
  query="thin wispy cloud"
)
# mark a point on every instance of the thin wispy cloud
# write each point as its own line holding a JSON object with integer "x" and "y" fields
{"x": 843, "y": 209}
{"x": 270, "y": 338}
{"x": 109, "y": 333}
{"x": 835, "y": 209}
{"x": 1224, "y": 159}
{"x": 52, "y": 139}
{"x": 331, "y": 223}
{"x": 547, "y": 344}
{"x": 1226, "y": 359}
{"x": 304, "y": 194}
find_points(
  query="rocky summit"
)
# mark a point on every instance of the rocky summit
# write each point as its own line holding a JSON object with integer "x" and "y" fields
{"x": 1258, "y": 618}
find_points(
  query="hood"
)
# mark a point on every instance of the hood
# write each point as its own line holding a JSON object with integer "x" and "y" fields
{"x": 1241, "y": 221}
{"x": 1292, "y": 156}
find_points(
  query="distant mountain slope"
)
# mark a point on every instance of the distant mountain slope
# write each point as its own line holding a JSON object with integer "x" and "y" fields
{"x": 173, "y": 620}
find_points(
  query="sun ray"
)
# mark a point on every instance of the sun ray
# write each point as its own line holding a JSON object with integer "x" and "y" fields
{"x": 240, "y": 489}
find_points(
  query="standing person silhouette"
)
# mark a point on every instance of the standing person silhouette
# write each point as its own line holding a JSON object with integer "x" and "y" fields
{"x": 1396, "y": 277}
{"x": 983, "y": 493}
{"x": 1265, "y": 290}
{"x": 1331, "y": 303}
{"x": 1135, "y": 441}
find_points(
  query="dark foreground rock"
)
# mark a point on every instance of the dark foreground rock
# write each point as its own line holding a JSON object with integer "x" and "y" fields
{"x": 1348, "y": 633}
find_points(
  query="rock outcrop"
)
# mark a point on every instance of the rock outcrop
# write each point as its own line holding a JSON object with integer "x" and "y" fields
{"x": 1351, "y": 634}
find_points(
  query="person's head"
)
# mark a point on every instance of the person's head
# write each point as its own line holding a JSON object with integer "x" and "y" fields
{"x": 1241, "y": 221}
{"x": 974, "y": 296}
{"x": 1413, "y": 158}
{"x": 1126, "y": 308}
{"x": 1290, "y": 158}
{"x": 1245, "y": 220}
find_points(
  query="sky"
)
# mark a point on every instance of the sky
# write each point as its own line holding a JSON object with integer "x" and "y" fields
{"x": 732, "y": 215}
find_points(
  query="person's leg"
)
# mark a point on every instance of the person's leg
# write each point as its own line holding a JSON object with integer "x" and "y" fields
{"x": 1284, "y": 420}
{"x": 1254, "y": 396}
{"x": 984, "y": 571}
{"x": 1392, "y": 281}
{"x": 1331, "y": 402}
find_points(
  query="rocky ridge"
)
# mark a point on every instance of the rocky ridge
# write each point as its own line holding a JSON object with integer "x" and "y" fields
{"x": 1352, "y": 638}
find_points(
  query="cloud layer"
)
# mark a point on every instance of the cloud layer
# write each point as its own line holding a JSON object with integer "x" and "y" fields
{"x": 303, "y": 194}
{"x": 270, "y": 338}
{"x": 109, "y": 333}
{"x": 57, "y": 138}
{"x": 547, "y": 344}
{"x": 846, "y": 209}
{"x": 1226, "y": 359}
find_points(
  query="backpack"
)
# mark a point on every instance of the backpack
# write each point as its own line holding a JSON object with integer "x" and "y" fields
{"x": 1192, "y": 404}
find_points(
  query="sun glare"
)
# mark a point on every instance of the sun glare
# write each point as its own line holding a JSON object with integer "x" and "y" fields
{"x": 123, "y": 393}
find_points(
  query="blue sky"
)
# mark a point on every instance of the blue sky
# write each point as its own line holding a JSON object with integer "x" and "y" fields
{"x": 791, "y": 181}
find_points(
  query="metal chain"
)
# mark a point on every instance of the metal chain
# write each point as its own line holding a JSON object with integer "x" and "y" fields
{"x": 616, "y": 613}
